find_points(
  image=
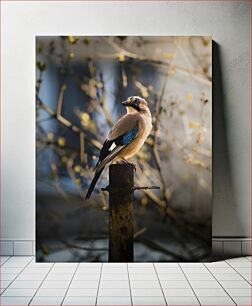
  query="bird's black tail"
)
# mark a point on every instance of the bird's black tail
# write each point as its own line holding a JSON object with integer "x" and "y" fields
{"x": 93, "y": 183}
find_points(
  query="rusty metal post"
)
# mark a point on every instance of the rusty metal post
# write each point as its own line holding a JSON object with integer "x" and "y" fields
{"x": 121, "y": 221}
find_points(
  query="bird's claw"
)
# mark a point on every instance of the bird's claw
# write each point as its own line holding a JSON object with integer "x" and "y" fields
{"x": 124, "y": 161}
{"x": 134, "y": 166}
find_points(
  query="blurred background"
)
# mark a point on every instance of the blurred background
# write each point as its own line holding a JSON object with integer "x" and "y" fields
{"x": 80, "y": 83}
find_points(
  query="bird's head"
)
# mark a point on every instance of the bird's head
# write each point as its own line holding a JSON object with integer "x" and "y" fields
{"x": 135, "y": 104}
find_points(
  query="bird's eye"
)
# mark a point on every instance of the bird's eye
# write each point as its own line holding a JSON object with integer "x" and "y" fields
{"x": 137, "y": 101}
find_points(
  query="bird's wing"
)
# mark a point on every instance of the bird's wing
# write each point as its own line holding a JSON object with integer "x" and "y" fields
{"x": 121, "y": 135}
{"x": 125, "y": 124}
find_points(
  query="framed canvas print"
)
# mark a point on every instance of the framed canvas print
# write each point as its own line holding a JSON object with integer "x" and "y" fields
{"x": 123, "y": 148}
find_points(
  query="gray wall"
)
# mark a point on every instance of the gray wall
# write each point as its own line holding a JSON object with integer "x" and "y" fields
{"x": 229, "y": 25}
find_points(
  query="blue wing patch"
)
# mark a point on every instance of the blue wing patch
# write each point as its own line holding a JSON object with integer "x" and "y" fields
{"x": 130, "y": 136}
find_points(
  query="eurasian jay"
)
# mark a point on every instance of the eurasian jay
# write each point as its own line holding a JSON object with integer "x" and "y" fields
{"x": 125, "y": 138}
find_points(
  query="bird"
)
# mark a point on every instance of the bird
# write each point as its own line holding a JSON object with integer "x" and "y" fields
{"x": 125, "y": 138}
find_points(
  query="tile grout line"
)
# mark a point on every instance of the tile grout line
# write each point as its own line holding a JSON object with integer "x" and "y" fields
{"x": 246, "y": 258}
{"x": 2, "y": 264}
{"x": 16, "y": 276}
{"x": 9, "y": 257}
{"x": 42, "y": 282}
{"x": 129, "y": 284}
{"x": 235, "y": 271}
{"x": 239, "y": 272}
{"x": 189, "y": 284}
{"x": 96, "y": 300}
{"x": 159, "y": 283}
{"x": 69, "y": 284}
{"x": 220, "y": 284}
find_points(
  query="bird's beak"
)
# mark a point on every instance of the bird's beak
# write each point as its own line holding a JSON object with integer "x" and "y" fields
{"x": 126, "y": 103}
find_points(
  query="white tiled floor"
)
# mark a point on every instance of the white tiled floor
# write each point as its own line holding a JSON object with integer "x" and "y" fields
{"x": 24, "y": 282}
